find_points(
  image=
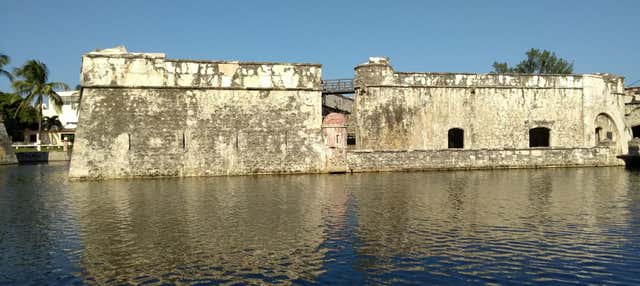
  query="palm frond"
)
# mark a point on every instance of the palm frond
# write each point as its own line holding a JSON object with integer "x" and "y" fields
{"x": 4, "y": 60}
{"x": 33, "y": 71}
{"x": 55, "y": 99}
{"x": 7, "y": 74}
{"x": 22, "y": 106}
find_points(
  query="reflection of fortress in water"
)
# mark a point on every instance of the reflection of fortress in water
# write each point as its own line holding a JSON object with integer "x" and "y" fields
{"x": 245, "y": 229}
{"x": 174, "y": 229}
{"x": 198, "y": 118}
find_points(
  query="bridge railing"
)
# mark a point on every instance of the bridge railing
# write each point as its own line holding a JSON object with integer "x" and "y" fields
{"x": 334, "y": 86}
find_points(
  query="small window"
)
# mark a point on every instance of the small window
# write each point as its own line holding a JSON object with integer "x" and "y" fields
{"x": 539, "y": 137}
{"x": 337, "y": 138}
{"x": 610, "y": 135}
{"x": 636, "y": 131}
{"x": 351, "y": 139}
{"x": 456, "y": 138}
{"x": 33, "y": 138}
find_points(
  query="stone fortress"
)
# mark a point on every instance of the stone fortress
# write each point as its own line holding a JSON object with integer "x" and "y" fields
{"x": 143, "y": 115}
{"x": 7, "y": 156}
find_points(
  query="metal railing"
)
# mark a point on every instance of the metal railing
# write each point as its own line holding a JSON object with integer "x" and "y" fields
{"x": 335, "y": 86}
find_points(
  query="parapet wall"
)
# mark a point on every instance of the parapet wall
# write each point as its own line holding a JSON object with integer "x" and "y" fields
{"x": 154, "y": 70}
{"x": 406, "y": 160}
{"x": 142, "y": 115}
{"x": 379, "y": 72}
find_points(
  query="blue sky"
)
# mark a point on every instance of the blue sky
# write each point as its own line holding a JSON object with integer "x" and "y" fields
{"x": 445, "y": 36}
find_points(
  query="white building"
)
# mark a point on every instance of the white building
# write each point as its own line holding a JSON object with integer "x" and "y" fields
{"x": 68, "y": 116}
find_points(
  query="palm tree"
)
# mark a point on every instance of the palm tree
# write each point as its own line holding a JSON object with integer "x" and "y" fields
{"x": 51, "y": 123}
{"x": 33, "y": 86}
{"x": 4, "y": 60}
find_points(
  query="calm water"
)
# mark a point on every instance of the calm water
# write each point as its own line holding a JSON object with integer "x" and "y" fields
{"x": 527, "y": 226}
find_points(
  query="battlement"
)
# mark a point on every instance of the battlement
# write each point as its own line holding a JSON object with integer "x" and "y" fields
{"x": 379, "y": 72}
{"x": 118, "y": 68}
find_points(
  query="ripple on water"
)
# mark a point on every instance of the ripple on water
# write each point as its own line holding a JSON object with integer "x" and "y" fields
{"x": 573, "y": 226}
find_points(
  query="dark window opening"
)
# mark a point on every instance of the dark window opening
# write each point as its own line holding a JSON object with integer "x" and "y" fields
{"x": 610, "y": 135}
{"x": 33, "y": 138}
{"x": 539, "y": 137}
{"x": 351, "y": 139}
{"x": 598, "y": 132}
{"x": 456, "y": 138}
{"x": 636, "y": 131}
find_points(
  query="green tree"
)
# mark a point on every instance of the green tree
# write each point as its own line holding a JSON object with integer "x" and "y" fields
{"x": 537, "y": 62}
{"x": 4, "y": 60}
{"x": 32, "y": 84}
{"x": 16, "y": 121}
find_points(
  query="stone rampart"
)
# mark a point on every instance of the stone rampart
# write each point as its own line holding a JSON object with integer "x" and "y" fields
{"x": 402, "y": 111}
{"x": 143, "y": 115}
{"x": 453, "y": 159}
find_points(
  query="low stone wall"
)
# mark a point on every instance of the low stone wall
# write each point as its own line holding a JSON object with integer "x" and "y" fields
{"x": 42, "y": 157}
{"x": 451, "y": 159}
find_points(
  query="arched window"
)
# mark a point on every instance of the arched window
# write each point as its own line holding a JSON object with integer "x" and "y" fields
{"x": 539, "y": 137}
{"x": 456, "y": 138}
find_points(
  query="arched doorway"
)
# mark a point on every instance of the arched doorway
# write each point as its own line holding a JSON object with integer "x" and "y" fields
{"x": 539, "y": 137}
{"x": 456, "y": 138}
{"x": 605, "y": 129}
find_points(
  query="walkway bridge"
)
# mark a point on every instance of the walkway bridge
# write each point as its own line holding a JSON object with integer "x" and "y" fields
{"x": 336, "y": 96}
{"x": 338, "y": 86}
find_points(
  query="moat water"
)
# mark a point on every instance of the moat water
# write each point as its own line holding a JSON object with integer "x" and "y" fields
{"x": 541, "y": 226}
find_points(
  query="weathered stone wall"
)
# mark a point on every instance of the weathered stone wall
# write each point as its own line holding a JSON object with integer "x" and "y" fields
{"x": 7, "y": 156}
{"x": 451, "y": 159}
{"x": 337, "y": 103}
{"x": 632, "y": 108}
{"x": 144, "y": 115}
{"x": 403, "y": 111}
